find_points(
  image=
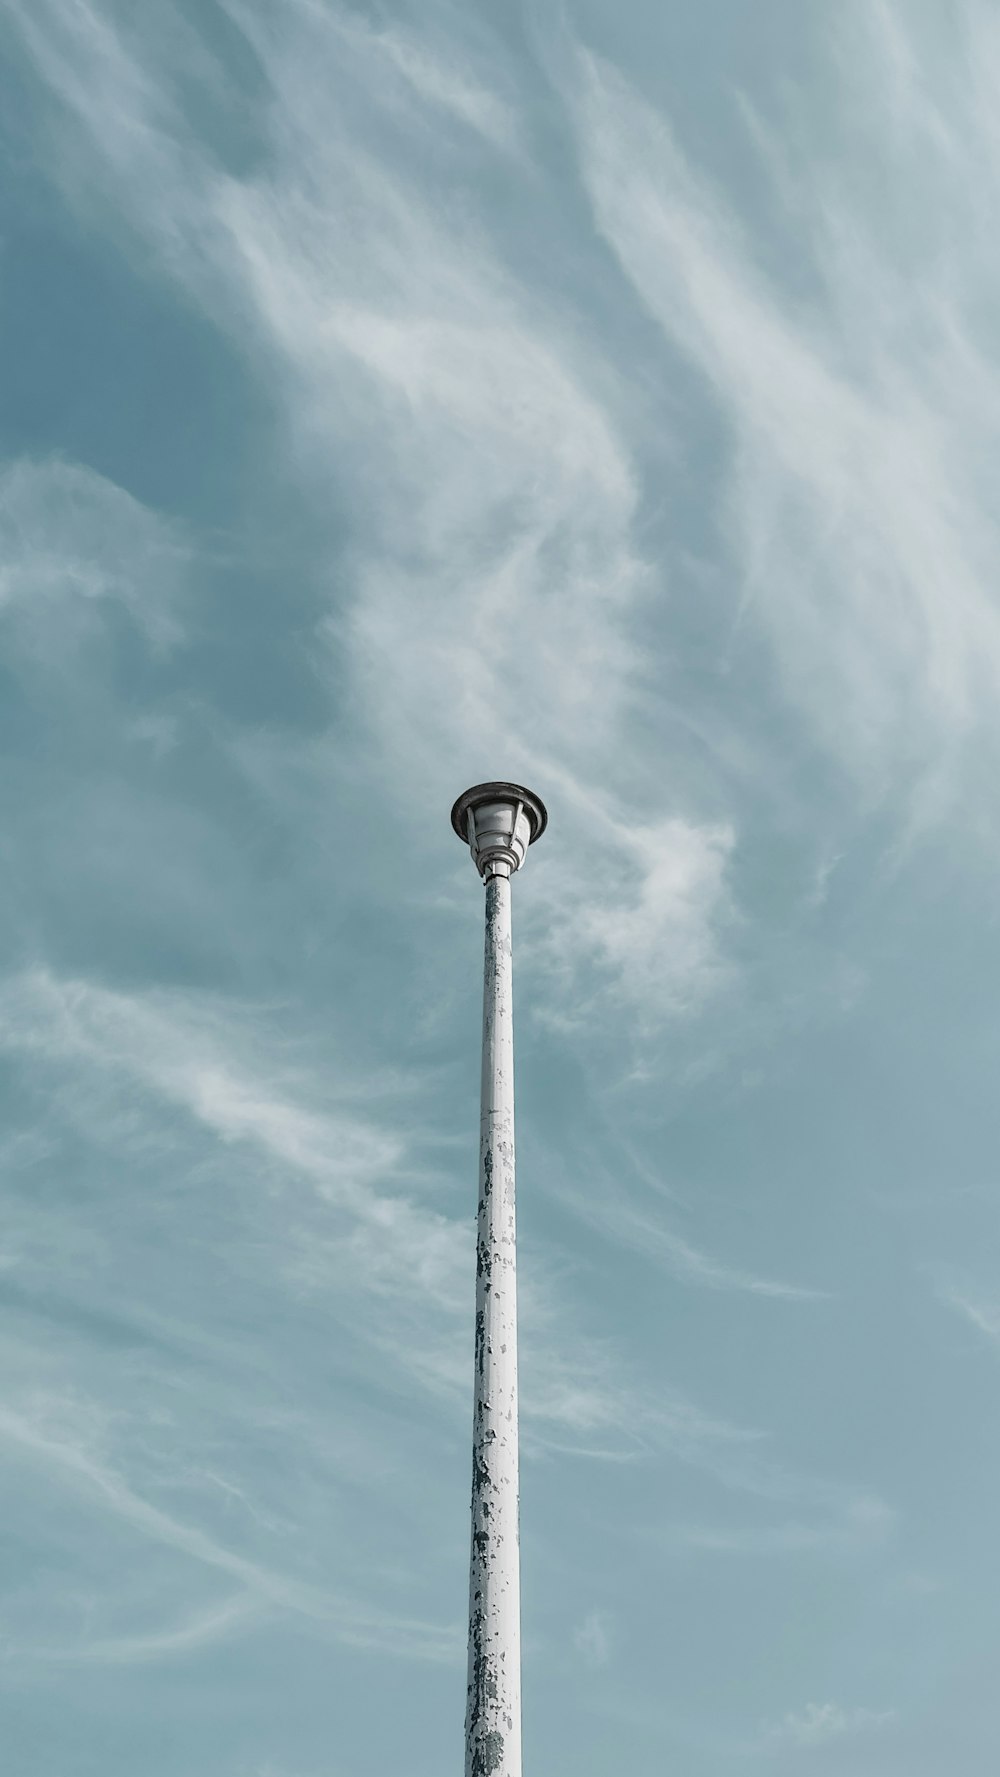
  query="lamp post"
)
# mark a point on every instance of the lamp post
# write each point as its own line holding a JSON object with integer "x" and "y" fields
{"x": 498, "y": 822}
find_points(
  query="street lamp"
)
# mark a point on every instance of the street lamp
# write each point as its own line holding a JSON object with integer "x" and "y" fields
{"x": 498, "y": 822}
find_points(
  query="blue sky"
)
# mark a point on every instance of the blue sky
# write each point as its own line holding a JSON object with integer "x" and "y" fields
{"x": 603, "y": 397}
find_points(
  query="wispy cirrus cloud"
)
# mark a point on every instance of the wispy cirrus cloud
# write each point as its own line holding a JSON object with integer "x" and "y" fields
{"x": 620, "y": 1218}
{"x": 176, "y": 1639}
{"x": 646, "y": 916}
{"x": 441, "y": 75}
{"x": 820, "y": 1723}
{"x": 982, "y": 1312}
{"x": 857, "y": 416}
{"x": 826, "y": 1522}
{"x": 207, "y": 1060}
{"x": 593, "y": 1639}
{"x": 495, "y": 569}
{"x": 143, "y": 1404}
{"x": 69, "y": 537}
{"x": 62, "y": 1446}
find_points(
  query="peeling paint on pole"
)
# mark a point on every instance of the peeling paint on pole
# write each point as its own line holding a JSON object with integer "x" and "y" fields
{"x": 498, "y": 821}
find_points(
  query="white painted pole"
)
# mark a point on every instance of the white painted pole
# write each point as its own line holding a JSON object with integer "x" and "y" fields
{"x": 493, "y": 1708}
{"x": 499, "y": 821}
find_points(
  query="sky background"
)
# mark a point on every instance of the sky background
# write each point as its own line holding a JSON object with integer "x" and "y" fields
{"x": 605, "y": 397}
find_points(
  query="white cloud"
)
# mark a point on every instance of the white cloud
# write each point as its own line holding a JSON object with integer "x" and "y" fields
{"x": 847, "y": 1525}
{"x": 592, "y": 1639}
{"x": 179, "y": 1639}
{"x": 860, "y": 424}
{"x": 444, "y": 82}
{"x": 208, "y": 1060}
{"x": 820, "y": 1723}
{"x": 67, "y": 534}
{"x": 49, "y": 1433}
{"x": 503, "y": 494}
{"x": 621, "y": 1219}
{"x": 984, "y": 1315}
{"x": 641, "y": 913}
{"x": 474, "y": 424}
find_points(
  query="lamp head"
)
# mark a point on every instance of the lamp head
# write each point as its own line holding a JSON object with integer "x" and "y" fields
{"x": 498, "y": 822}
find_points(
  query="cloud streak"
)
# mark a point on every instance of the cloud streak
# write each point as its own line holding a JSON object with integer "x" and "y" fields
{"x": 68, "y": 1460}
{"x": 69, "y": 536}
{"x": 615, "y": 1215}
{"x": 474, "y": 424}
{"x": 982, "y": 1314}
{"x": 856, "y": 425}
{"x": 819, "y": 1724}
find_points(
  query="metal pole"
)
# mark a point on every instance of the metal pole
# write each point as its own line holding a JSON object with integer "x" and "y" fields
{"x": 493, "y": 1710}
{"x": 499, "y": 822}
